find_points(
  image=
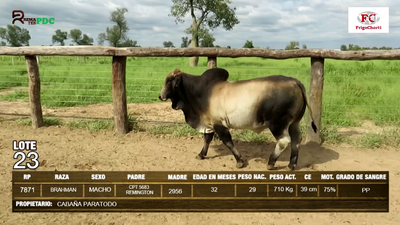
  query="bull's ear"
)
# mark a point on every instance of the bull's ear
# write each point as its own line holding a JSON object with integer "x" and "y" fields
{"x": 176, "y": 82}
{"x": 177, "y": 70}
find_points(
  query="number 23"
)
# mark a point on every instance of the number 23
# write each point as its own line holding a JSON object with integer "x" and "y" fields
{"x": 18, "y": 166}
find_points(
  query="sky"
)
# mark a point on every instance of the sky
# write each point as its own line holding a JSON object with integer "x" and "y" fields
{"x": 272, "y": 23}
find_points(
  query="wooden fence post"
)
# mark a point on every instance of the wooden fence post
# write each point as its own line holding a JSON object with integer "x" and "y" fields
{"x": 34, "y": 91}
{"x": 119, "y": 94}
{"x": 315, "y": 99}
{"x": 212, "y": 62}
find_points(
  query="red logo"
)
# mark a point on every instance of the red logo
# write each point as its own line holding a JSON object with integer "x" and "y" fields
{"x": 368, "y": 18}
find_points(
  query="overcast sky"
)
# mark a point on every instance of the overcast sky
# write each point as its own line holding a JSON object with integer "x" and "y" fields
{"x": 273, "y": 23}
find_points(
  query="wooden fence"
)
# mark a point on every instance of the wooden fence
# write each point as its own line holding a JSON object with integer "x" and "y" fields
{"x": 119, "y": 68}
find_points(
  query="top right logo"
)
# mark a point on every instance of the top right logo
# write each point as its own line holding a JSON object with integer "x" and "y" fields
{"x": 368, "y": 19}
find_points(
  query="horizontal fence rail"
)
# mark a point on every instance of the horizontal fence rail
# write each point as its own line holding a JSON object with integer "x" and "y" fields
{"x": 118, "y": 87}
{"x": 208, "y": 52}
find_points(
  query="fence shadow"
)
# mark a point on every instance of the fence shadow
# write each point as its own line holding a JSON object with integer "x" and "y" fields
{"x": 310, "y": 154}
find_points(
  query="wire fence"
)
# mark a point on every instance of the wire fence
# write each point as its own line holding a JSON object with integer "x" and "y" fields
{"x": 354, "y": 91}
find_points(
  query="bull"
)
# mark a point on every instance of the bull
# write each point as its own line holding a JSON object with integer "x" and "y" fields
{"x": 211, "y": 104}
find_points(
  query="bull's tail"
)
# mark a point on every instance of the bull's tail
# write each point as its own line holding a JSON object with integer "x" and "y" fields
{"x": 303, "y": 91}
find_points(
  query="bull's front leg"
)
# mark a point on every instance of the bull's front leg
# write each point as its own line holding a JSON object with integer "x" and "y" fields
{"x": 226, "y": 138}
{"x": 207, "y": 140}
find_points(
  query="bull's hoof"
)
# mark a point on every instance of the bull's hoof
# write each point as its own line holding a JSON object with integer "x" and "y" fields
{"x": 271, "y": 167}
{"x": 239, "y": 164}
{"x": 199, "y": 157}
{"x": 292, "y": 166}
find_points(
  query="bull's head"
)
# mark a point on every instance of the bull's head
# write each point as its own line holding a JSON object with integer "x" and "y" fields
{"x": 171, "y": 89}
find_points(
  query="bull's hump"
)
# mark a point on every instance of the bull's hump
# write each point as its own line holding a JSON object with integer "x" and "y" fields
{"x": 213, "y": 76}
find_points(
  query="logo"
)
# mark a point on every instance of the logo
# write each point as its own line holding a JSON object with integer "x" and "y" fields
{"x": 368, "y": 19}
{"x": 19, "y": 15}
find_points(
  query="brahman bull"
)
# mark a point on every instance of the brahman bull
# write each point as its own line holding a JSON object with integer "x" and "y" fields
{"x": 211, "y": 104}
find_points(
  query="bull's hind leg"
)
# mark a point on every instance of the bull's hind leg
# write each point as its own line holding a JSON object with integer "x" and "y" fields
{"x": 295, "y": 135}
{"x": 226, "y": 138}
{"x": 207, "y": 140}
{"x": 283, "y": 140}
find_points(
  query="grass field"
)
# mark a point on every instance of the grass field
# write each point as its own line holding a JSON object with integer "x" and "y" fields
{"x": 354, "y": 91}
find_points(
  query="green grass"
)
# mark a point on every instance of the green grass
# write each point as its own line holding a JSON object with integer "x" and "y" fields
{"x": 175, "y": 129}
{"x": 91, "y": 125}
{"x": 353, "y": 90}
{"x": 390, "y": 137}
{"x": 46, "y": 122}
{"x": 330, "y": 135}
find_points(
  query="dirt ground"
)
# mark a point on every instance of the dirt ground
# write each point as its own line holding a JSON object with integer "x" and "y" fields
{"x": 160, "y": 112}
{"x": 61, "y": 148}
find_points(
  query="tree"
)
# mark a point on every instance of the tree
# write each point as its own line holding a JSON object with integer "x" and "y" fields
{"x": 304, "y": 46}
{"x": 117, "y": 34}
{"x": 60, "y": 37}
{"x": 212, "y": 14}
{"x": 292, "y": 45}
{"x": 168, "y": 44}
{"x": 248, "y": 44}
{"x": 128, "y": 43}
{"x": 15, "y": 36}
{"x": 206, "y": 39}
{"x": 77, "y": 37}
{"x": 352, "y": 47}
{"x": 101, "y": 38}
{"x": 185, "y": 42}
{"x": 2, "y": 43}
{"x": 385, "y": 48}
{"x": 356, "y": 48}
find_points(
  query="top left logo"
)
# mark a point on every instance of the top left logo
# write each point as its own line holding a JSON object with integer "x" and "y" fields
{"x": 19, "y": 15}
